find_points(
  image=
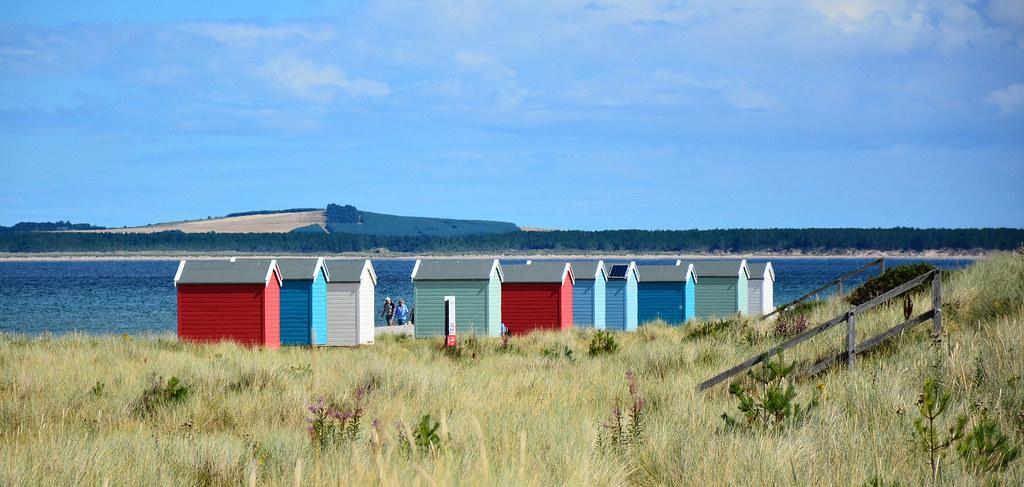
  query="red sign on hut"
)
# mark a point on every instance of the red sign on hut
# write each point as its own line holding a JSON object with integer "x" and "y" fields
{"x": 449, "y": 321}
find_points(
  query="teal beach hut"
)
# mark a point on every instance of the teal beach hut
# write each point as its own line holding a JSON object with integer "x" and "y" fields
{"x": 722, "y": 292}
{"x": 303, "y": 301}
{"x": 588, "y": 294}
{"x": 666, "y": 293}
{"x": 620, "y": 310}
{"x": 476, "y": 285}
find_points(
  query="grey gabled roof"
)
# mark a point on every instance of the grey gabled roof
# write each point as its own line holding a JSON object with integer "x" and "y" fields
{"x": 622, "y": 271}
{"x": 455, "y": 270}
{"x": 720, "y": 268}
{"x": 301, "y": 268}
{"x": 586, "y": 270}
{"x": 233, "y": 271}
{"x": 539, "y": 272}
{"x": 663, "y": 273}
{"x": 349, "y": 270}
{"x": 757, "y": 270}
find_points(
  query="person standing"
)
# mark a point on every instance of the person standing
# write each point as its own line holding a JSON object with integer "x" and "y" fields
{"x": 401, "y": 313}
{"x": 388, "y": 311}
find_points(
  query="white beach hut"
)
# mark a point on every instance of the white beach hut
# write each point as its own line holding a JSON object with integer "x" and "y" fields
{"x": 350, "y": 302}
{"x": 761, "y": 289}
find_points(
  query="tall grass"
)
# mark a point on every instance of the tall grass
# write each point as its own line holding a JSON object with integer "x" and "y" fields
{"x": 510, "y": 417}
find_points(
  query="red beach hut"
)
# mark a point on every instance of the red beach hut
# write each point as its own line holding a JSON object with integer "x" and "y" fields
{"x": 235, "y": 300}
{"x": 537, "y": 296}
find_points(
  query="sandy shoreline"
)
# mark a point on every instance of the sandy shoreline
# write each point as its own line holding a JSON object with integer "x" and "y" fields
{"x": 127, "y": 256}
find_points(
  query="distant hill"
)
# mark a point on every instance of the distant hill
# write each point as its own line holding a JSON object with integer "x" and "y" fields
{"x": 348, "y": 219}
{"x": 334, "y": 219}
{"x": 57, "y": 226}
{"x": 247, "y": 222}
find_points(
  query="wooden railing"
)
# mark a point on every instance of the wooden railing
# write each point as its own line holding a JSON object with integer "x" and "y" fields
{"x": 850, "y": 318}
{"x": 837, "y": 282}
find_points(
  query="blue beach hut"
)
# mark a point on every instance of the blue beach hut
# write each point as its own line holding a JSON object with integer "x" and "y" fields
{"x": 620, "y": 297}
{"x": 666, "y": 292}
{"x": 303, "y": 301}
{"x": 588, "y": 294}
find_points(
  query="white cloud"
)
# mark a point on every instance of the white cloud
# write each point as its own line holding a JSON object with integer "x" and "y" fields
{"x": 904, "y": 24}
{"x": 304, "y": 79}
{"x": 485, "y": 64}
{"x": 243, "y": 35}
{"x": 506, "y": 88}
{"x": 734, "y": 92}
{"x": 1008, "y": 11}
{"x": 1009, "y": 99}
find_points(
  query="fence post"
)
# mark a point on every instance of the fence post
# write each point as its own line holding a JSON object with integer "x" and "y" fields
{"x": 851, "y": 337}
{"x": 881, "y": 266}
{"x": 840, "y": 287}
{"x": 937, "y": 303}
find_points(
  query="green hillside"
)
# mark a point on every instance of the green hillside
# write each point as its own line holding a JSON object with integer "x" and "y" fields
{"x": 348, "y": 219}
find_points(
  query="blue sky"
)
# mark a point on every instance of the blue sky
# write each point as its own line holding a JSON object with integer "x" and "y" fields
{"x": 559, "y": 114}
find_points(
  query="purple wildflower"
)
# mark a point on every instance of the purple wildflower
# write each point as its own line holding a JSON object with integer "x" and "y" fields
{"x": 631, "y": 379}
{"x": 360, "y": 393}
{"x": 318, "y": 406}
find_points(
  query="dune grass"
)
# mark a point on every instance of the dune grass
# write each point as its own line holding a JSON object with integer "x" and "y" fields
{"x": 527, "y": 413}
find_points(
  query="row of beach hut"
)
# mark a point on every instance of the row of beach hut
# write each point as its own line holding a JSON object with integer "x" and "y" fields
{"x": 273, "y": 302}
{"x": 310, "y": 301}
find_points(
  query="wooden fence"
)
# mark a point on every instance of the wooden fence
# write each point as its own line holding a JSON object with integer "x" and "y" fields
{"x": 850, "y": 318}
{"x": 837, "y": 282}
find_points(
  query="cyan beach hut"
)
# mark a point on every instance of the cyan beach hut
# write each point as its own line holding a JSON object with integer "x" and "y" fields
{"x": 722, "y": 292}
{"x": 476, "y": 285}
{"x": 666, "y": 292}
{"x": 350, "y": 302}
{"x": 588, "y": 294}
{"x": 303, "y": 301}
{"x": 621, "y": 297}
{"x": 761, "y": 289}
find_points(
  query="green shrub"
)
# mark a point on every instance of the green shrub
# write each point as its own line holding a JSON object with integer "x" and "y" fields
{"x": 931, "y": 404}
{"x": 710, "y": 329}
{"x": 160, "y": 394}
{"x": 555, "y": 353}
{"x": 603, "y": 342}
{"x": 802, "y": 308}
{"x": 426, "y": 437}
{"x": 986, "y": 448}
{"x": 770, "y": 405}
{"x": 893, "y": 277}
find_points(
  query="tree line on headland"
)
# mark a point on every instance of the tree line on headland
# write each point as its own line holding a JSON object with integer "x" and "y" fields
{"x": 808, "y": 240}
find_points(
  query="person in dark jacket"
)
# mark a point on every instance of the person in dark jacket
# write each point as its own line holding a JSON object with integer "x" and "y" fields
{"x": 388, "y": 311}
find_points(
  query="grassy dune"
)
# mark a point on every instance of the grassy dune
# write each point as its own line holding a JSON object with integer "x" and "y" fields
{"x": 69, "y": 406}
